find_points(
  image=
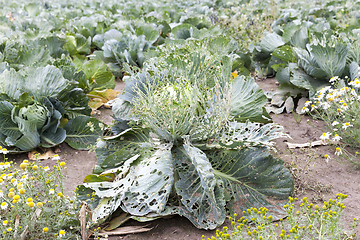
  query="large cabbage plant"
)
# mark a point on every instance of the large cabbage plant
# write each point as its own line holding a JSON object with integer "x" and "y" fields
{"x": 185, "y": 144}
{"x": 39, "y": 107}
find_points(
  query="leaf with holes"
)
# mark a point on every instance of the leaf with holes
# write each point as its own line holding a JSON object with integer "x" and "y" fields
{"x": 141, "y": 188}
{"x": 201, "y": 193}
{"x": 252, "y": 178}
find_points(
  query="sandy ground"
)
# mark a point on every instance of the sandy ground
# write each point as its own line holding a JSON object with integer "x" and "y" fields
{"x": 315, "y": 178}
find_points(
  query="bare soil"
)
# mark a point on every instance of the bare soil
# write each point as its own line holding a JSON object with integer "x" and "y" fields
{"x": 313, "y": 177}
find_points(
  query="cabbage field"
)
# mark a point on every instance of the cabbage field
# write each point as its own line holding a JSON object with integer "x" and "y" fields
{"x": 217, "y": 108}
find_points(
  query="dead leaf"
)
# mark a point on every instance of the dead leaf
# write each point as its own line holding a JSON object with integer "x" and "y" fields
{"x": 125, "y": 230}
{"x": 95, "y": 103}
{"x": 117, "y": 221}
{"x": 48, "y": 154}
{"x": 82, "y": 213}
{"x": 308, "y": 144}
{"x": 17, "y": 221}
{"x": 99, "y": 98}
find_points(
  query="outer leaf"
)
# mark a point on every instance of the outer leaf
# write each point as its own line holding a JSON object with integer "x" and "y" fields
{"x": 11, "y": 83}
{"x": 44, "y": 82}
{"x": 82, "y": 132}
{"x": 247, "y": 100}
{"x": 128, "y": 191}
{"x": 97, "y": 74}
{"x": 28, "y": 141}
{"x": 270, "y": 42}
{"x": 113, "y": 152}
{"x": 285, "y": 54}
{"x": 239, "y": 135}
{"x": 300, "y": 79}
{"x": 201, "y": 194}
{"x": 354, "y": 71}
{"x": 331, "y": 59}
{"x": 7, "y": 126}
{"x": 308, "y": 63}
{"x": 50, "y": 139}
{"x": 252, "y": 178}
{"x": 300, "y": 38}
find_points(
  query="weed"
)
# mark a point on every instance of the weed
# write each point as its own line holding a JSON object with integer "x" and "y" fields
{"x": 309, "y": 222}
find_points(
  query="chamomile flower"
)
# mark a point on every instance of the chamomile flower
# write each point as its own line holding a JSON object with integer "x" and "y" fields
{"x": 307, "y": 103}
{"x": 325, "y": 105}
{"x": 338, "y": 151}
{"x": 334, "y": 123}
{"x": 355, "y": 83}
{"x": 346, "y": 125}
{"x": 327, "y": 157}
{"x": 304, "y": 110}
{"x": 313, "y": 107}
{"x": 46, "y": 168}
{"x": 336, "y": 138}
{"x": 325, "y": 136}
{"x": 344, "y": 106}
{"x": 4, "y": 151}
{"x": 56, "y": 157}
{"x": 51, "y": 191}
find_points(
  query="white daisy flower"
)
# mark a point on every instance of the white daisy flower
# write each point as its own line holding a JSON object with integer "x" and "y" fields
{"x": 338, "y": 151}
{"x": 335, "y": 123}
{"x": 346, "y": 125}
{"x": 307, "y": 103}
{"x": 4, "y": 205}
{"x": 325, "y": 136}
{"x": 336, "y": 138}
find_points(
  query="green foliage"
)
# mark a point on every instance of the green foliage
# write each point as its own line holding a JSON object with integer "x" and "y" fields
{"x": 186, "y": 143}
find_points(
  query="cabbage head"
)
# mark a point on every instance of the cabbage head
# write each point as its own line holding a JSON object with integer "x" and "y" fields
{"x": 34, "y": 103}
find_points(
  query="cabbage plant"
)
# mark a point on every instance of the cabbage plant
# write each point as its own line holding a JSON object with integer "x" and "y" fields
{"x": 184, "y": 144}
{"x": 35, "y": 106}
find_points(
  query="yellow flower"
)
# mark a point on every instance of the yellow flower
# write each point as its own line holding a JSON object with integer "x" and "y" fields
{"x": 39, "y": 205}
{"x": 5, "y": 222}
{"x": 11, "y": 194}
{"x": 45, "y": 229}
{"x": 61, "y": 233}
{"x": 35, "y": 167}
{"x": 16, "y": 197}
{"x": 29, "y": 200}
{"x": 23, "y": 166}
{"x": 11, "y": 189}
{"x": 31, "y": 204}
{"x": 22, "y": 191}
{"x": 62, "y": 164}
